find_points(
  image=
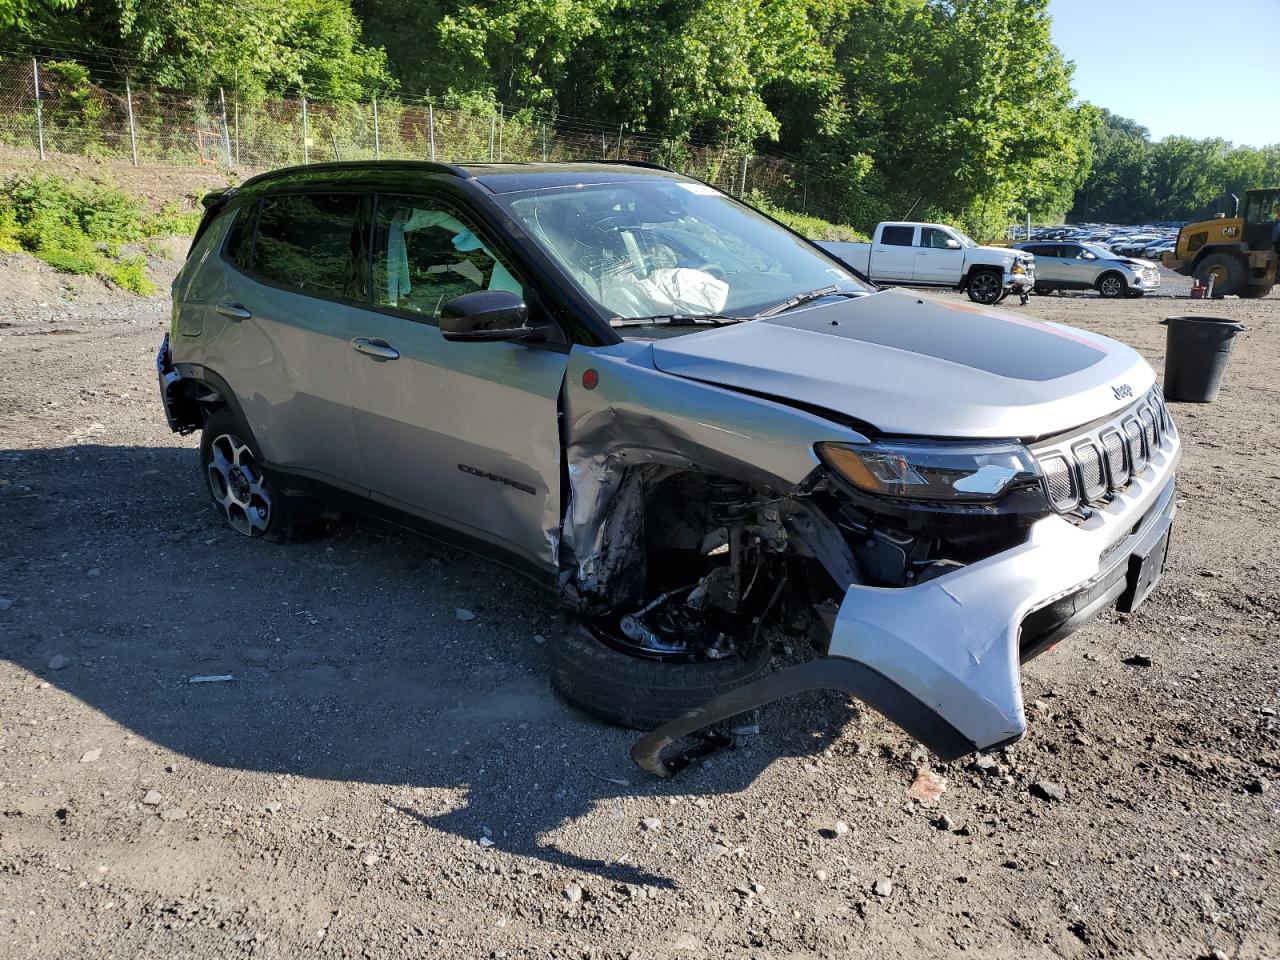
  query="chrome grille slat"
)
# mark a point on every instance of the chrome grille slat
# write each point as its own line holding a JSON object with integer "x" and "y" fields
{"x": 1096, "y": 464}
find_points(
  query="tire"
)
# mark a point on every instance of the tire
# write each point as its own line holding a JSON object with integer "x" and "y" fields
{"x": 634, "y": 692}
{"x": 984, "y": 287}
{"x": 1112, "y": 286}
{"x": 241, "y": 492}
{"x": 1043, "y": 291}
{"x": 1228, "y": 273}
{"x": 1255, "y": 292}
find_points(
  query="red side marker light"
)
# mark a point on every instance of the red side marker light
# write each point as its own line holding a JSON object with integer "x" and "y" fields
{"x": 590, "y": 379}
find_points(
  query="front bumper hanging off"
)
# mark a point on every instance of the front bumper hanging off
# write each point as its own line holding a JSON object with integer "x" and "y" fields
{"x": 941, "y": 659}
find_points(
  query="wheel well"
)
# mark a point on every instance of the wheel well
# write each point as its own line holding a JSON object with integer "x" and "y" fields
{"x": 1234, "y": 249}
{"x": 980, "y": 268}
{"x": 1110, "y": 273}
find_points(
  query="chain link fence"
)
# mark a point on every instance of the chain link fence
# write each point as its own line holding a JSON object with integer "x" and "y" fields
{"x": 49, "y": 107}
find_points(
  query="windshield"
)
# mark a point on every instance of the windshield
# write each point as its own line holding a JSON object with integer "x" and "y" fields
{"x": 964, "y": 238}
{"x": 661, "y": 248}
{"x": 1101, "y": 252}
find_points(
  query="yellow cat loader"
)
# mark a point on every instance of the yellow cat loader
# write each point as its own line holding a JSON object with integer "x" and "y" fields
{"x": 1239, "y": 254}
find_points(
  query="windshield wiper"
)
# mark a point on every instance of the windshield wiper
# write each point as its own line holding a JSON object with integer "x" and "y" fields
{"x": 802, "y": 298}
{"x": 676, "y": 320}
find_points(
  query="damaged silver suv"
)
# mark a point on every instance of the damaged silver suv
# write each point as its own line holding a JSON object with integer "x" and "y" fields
{"x": 691, "y": 424}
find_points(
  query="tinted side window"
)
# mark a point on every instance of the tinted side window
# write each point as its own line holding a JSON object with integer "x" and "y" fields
{"x": 424, "y": 255}
{"x": 240, "y": 239}
{"x": 897, "y": 236}
{"x": 311, "y": 242}
{"x": 933, "y": 238}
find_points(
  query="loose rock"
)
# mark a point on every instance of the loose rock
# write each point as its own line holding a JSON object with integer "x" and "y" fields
{"x": 651, "y": 823}
{"x": 573, "y": 893}
{"x": 152, "y": 799}
{"x": 840, "y": 829}
{"x": 58, "y": 661}
{"x": 883, "y": 888}
{"x": 463, "y": 614}
{"x": 91, "y": 756}
{"x": 1047, "y": 790}
{"x": 927, "y": 788}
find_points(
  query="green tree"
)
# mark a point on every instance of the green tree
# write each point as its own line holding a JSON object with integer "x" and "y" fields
{"x": 254, "y": 46}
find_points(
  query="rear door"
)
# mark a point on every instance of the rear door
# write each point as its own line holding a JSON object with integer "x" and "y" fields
{"x": 284, "y": 315}
{"x": 935, "y": 262}
{"x": 893, "y": 253}
{"x": 465, "y": 435}
{"x": 1049, "y": 269}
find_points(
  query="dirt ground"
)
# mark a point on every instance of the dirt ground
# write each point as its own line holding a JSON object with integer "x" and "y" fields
{"x": 384, "y": 779}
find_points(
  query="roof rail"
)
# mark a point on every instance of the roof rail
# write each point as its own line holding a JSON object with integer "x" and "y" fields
{"x": 427, "y": 166}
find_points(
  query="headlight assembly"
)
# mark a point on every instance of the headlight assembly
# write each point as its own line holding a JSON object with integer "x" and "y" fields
{"x": 956, "y": 472}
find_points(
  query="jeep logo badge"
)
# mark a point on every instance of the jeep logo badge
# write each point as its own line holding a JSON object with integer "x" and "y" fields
{"x": 1122, "y": 391}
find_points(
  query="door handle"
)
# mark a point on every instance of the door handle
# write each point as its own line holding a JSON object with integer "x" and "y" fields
{"x": 233, "y": 311}
{"x": 378, "y": 349}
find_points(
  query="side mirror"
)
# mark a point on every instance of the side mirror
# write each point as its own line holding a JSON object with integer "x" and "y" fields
{"x": 953, "y": 243}
{"x": 1088, "y": 256}
{"x": 487, "y": 316}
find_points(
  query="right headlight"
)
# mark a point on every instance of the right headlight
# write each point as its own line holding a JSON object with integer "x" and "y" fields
{"x": 938, "y": 471}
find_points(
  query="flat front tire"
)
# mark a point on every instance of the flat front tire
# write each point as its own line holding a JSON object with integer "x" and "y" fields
{"x": 639, "y": 693}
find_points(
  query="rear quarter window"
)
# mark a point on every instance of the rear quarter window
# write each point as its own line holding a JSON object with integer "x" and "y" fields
{"x": 897, "y": 236}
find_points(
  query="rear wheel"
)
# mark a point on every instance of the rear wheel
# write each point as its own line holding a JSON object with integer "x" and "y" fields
{"x": 592, "y": 672}
{"x": 985, "y": 287}
{"x": 240, "y": 490}
{"x": 1112, "y": 285}
{"x": 1043, "y": 291}
{"x": 1227, "y": 272}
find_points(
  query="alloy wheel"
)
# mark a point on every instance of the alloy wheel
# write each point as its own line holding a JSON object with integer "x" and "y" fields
{"x": 238, "y": 485}
{"x": 1110, "y": 287}
{"x": 985, "y": 287}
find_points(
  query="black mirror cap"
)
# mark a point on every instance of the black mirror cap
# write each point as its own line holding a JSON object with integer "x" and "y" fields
{"x": 487, "y": 315}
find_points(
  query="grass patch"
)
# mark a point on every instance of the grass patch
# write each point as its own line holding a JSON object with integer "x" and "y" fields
{"x": 815, "y": 228}
{"x": 80, "y": 226}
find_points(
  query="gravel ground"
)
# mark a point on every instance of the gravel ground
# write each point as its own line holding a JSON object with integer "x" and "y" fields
{"x": 383, "y": 777}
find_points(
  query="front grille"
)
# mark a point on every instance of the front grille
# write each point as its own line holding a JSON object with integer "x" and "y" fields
{"x": 1058, "y": 476}
{"x": 1092, "y": 466}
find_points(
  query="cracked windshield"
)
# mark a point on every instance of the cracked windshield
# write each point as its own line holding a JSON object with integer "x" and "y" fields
{"x": 664, "y": 252}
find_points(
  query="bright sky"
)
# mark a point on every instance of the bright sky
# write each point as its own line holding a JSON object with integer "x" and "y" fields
{"x": 1178, "y": 66}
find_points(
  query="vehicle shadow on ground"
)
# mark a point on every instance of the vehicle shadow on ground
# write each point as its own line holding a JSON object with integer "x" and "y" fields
{"x": 350, "y": 660}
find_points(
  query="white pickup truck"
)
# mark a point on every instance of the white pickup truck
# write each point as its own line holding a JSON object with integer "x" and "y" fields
{"x": 931, "y": 254}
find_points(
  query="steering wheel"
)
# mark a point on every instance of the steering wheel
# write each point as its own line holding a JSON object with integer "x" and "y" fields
{"x": 707, "y": 266}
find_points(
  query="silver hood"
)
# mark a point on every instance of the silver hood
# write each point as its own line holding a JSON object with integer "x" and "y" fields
{"x": 906, "y": 363}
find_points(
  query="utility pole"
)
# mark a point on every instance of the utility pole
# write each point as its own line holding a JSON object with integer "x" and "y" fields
{"x": 377, "y": 140}
{"x": 431, "y": 129}
{"x": 306, "y": 133}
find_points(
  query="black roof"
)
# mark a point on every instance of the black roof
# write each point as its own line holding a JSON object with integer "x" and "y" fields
{"x": 495, "y": 177}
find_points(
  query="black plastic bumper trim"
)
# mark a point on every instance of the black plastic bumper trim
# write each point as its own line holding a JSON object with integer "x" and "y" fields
{"x": 824, "y": 673}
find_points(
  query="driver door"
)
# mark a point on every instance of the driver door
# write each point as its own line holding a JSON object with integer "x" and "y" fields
{"x": 465, "y": 435}
{"x": 935, "y": 261}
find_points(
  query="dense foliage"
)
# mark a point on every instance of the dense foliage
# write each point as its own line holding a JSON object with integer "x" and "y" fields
{"x": 1135, "y": 180}
{"x": 954, "y": 110}
{"x": 80, "y": 226}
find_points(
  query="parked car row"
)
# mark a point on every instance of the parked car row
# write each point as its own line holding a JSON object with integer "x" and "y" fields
{"x": 1148, "y": 240}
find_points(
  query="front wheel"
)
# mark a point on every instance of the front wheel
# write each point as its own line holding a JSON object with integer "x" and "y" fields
{"x": 1112, "y": 285}
{"x": 1226, "y": 270}
{"x": 639, "y": 692}
{"x": 985, "y": 287}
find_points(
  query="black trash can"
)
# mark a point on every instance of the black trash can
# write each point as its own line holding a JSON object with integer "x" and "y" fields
{"x": 1195, "y": 358}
